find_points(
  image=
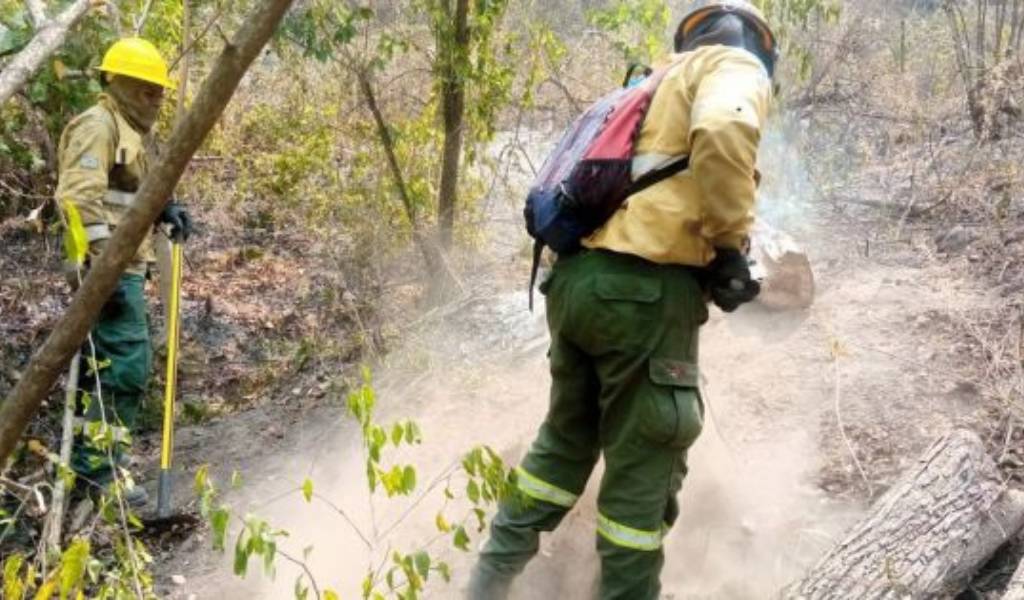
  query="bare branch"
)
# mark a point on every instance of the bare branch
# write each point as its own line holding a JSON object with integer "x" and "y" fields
{"x": 140, "y": 21}
{"x": 47, "y": 40}
{"x": 37, "y": 11}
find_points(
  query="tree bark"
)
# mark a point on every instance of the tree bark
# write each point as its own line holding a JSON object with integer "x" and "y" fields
{"x": 444, "y": 279}
{"x": 452, "y": 54}
{"x": 71, "y": 330}
{"x": 1015, "y": 591}
{"x": 46, "y": 41}
{"x": 37, "y": 11}
{"x": 928, "y": 534}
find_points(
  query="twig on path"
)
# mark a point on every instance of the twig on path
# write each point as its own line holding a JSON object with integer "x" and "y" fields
{"x": 836, "y": 354}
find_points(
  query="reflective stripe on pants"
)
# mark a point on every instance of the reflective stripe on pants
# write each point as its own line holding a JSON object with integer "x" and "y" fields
{"x": 538, "y": 489}
{"x": 628, "y": 537}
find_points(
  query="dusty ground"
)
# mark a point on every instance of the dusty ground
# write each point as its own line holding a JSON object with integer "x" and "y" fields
{"x": 813, "y": 414}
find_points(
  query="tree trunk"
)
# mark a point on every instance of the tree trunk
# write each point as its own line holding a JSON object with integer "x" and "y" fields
{"x": 928, "y": 534}
{"x": 71, "y": 330}
{"x": 46, "y": 41}
{"x": 444, "y": 281}
{"x": 453, "y": 56}
{"x": 1015, "y": 591}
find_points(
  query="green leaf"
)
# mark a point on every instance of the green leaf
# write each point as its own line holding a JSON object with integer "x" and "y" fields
{"x": 72, "y": 566}
{"x": 76, "y": 241}
{"x": 219, "y": 524}
{"x": 371, "y": 475}
{"x": 442, "y": 524}
{"x": 397, "y": 433}
{"x": 473, "y": 491}
{"x": 461, "y": 539}
{"x": 445, "y": 571}
{"x": 269, "y": 554}
{"x": 330, "y": 594}
{"x": 202, "y": 479}
{"x": 301, "y": 590}
{"x": 412, "y": 433}
{"x": 242, "y": 552}
{"x": 307, "y": 490}
{"x": 13, "y": 589}
{"x": 409, "y": 480}
{"x": 422, "y": 561}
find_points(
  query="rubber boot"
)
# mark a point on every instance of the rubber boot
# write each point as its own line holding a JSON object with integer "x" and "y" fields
{"x": 487, "y": 584}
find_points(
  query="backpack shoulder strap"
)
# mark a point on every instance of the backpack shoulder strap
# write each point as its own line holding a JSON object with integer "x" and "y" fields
{"x": 538, "y": 251}
{"x": 658, "y": 175}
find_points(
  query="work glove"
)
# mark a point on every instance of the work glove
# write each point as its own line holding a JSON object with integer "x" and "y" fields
{"x": 177, "y": 217}
{"x": 729, "y": 280}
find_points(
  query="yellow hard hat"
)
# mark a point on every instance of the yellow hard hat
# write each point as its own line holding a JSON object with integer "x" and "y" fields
{"x": 136, "y": 58}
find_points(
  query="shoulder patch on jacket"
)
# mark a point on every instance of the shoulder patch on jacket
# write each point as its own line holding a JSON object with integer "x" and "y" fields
{"x": 89, "y": 161}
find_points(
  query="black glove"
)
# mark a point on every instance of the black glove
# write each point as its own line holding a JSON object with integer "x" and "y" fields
{"x": 178, "y": 218}
{"x": 729, "y": 281}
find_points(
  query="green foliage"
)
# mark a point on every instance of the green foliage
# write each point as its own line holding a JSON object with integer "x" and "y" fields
{"x": 789, "y": 18}
{"x": 80, "y": 573}
{"x": 210, "y": 509}
{"x": 636, "y": 27}
{"x": 256, "y": 539}
{"x": 399, "y": 479}
{"x": 487, "y": 481}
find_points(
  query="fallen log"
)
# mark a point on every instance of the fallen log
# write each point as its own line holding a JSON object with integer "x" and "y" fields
{"x": 928, "y": 534}
{"x": 1015, "y": 591}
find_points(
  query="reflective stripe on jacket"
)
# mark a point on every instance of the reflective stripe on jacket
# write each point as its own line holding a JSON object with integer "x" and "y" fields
{"x": 711, "y": 107}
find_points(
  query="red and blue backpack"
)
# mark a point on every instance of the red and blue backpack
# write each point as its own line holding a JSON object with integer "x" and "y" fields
{"x": 589, "y": 175}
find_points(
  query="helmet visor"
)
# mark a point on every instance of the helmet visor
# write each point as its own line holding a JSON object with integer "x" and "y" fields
{"x": 765, "y": 37}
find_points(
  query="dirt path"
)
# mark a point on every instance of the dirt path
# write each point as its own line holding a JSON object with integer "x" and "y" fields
{"x": 772, "y": 480}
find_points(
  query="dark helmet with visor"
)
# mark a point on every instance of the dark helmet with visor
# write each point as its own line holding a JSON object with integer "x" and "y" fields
{"x": 729, "y": 23}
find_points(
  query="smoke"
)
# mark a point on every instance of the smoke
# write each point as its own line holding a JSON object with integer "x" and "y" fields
{"x": 787, "y": 195}
{"x": 752, "y": 517}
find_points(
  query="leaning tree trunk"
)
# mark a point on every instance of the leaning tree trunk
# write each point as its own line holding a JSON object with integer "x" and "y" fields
{"x": 72, "y": 328}
{"x": 48, "y": 39}
{"x": 1015, "y": 591}
{"x": 928, "y": 534}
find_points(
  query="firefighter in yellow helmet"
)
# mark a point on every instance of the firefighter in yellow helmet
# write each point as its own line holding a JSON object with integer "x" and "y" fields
{"x": 102, "y": 163}
{"x": 624, "y": 315}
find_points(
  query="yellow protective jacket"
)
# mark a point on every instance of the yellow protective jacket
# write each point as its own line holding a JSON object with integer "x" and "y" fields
{"x": 102, "y": 161}
{"x": 711, "y": 106}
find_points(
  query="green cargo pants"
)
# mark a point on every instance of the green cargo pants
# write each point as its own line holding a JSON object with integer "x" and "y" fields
{"x": 624, "y": 383}
{"x": 124, "y": 359}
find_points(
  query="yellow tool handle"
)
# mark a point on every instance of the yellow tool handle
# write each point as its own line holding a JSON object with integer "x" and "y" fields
{"x": 173, "y": 338}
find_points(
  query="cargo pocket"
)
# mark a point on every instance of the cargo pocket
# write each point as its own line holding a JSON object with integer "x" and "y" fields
{"x": 627, "y": 312}
{"x": 674, "y": 414}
